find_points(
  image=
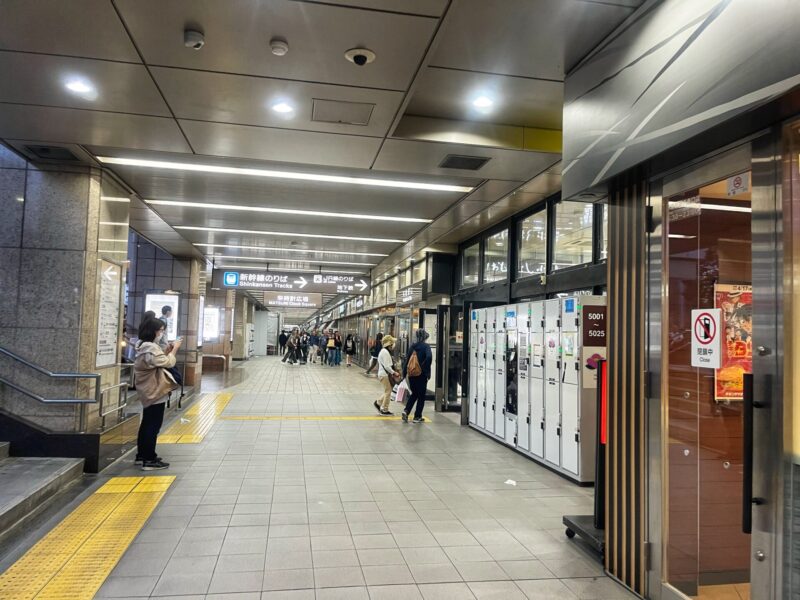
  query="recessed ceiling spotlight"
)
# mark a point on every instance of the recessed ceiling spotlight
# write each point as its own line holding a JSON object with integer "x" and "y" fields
{"x": 81, "y": 87}
{"x": 482, "y": 102}
{"x": 279, "y": 46}
{"x": 282, "y": 107}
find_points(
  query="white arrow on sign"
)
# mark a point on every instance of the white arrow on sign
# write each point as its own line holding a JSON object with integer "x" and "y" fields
{"x": 302, "y": 281}
{"x": 109, "y": 273}
{"x": 362, "y": 285}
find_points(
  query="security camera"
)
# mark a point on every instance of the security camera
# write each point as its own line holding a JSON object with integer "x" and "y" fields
{"x": 193, "y": 39}
{"x": 360, "y": 56}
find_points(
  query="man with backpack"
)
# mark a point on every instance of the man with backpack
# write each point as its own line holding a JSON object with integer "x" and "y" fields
{"x": 418, "y": 371}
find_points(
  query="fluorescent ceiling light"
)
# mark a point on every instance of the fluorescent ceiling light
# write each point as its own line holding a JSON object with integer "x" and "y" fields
{"x": 291, "y": 250}
{"x": 182, "y": 166}
{"x": 285, "y": 234}
{"x": 680, "y": 236}
{"x": 252, "y": 268}
{"x": 115, "y": 240}
{"x": 482, "y": 102}
{"x": 286, "y": 211}
{"x": 726, "y": 208}
{"x": 282, "y": 107}
{"x": 115, "y": 223}
{"x": 113, "y": 199}
{"x": 304, "y": 260}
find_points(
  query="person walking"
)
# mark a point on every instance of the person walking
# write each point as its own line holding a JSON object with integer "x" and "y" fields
{"x": 377, "y": 346}
{"x": 387, "y": 375}
{"x": 282, "y": 339}
{"x": 291, "y": 349}
{"x": 330, "y": 348}
{"x": 417, "y": 369}
{"x": 349, "y": 349}
{"x": 153, "y": 383}
{"x": 313, "y": 342}
{"x": 337, "y": 342}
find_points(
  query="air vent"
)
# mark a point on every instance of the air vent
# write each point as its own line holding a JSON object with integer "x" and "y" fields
{"x": 465, "y": 163}
{"x": 345, "y": 113}
{"x": 56, "y": 153}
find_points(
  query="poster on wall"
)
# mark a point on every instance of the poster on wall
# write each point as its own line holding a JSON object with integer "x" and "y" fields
{"x": 211, "y": 324}
{"x": 201, "y": 314}
{"x": 736, "y": 302}
{"x": 108, "y": 307}
{"x": 156, "y": 302}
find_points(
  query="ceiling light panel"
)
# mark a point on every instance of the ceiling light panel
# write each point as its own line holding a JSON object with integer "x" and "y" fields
{"x": 291, "y": 235}
{"x": 301, "y": 250}
{"x": 250, "y": 172}
{"x": 266, "y": 259}
{"x": 285, "y": 211}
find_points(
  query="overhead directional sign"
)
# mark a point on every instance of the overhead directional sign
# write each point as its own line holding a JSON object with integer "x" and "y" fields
{"x": 293, "y": 299}
{"x": 283, "y": 281}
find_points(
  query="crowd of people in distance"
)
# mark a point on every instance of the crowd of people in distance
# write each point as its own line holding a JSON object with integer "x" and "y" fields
{"x": 326, "y": 348}
{"x": 316, "y": 347}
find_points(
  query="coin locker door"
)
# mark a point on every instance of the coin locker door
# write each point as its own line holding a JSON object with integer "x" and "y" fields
{"x": 523, "y": 377}
{"x": 570, "y": 384}
{"x": 552, "y": 372}
{"x": 480, "y": 415}
{"x": 500, "y": 377}
{"x": 538, "y": 381}
{"x": 473, "y": 367}
{"x": 491, "y": 352}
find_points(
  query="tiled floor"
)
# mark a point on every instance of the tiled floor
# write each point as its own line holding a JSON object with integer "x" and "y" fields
{"x": 325, "y": 510}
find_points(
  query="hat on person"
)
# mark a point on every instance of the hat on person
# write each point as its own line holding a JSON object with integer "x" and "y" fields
{"x": 387, "y": 341}
{"x": 422, "y": 335}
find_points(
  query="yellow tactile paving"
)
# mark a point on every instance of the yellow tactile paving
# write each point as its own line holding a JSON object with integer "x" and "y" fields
{"x": 75, "y": 558}
{"x": 309, "y": 418}
{"x": 197, "y": 421}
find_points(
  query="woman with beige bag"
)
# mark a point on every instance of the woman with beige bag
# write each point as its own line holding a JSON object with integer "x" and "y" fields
{"x": 153, "y": 383}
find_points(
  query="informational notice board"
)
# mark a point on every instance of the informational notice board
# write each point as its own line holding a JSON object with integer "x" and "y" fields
{"x": 108, "y": 307}
{"x": 156, "y": 302}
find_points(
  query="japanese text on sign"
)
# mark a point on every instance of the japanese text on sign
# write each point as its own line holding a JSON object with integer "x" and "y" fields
{"x": 706, "y": 347}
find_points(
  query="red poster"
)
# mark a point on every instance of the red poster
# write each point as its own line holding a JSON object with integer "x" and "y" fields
{"x": 736, "y": 302}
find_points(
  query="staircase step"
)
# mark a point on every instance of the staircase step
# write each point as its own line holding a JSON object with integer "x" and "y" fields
{"x": 4, "y": 450}
{"x": 27, "y": 483}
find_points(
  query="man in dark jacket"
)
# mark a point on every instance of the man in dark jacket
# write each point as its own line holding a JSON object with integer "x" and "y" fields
{"x": 282, "y": 341}
{"x": 419, "y": 383}
{"x": 373, "y": 354}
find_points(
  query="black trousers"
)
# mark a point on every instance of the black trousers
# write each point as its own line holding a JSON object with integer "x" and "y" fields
{"x": 152, "y": 418}
{"x": 418, "y": 387}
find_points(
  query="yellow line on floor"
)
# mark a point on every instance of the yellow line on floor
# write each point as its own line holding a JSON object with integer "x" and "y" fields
{"x": 77, "y": 555}
{"x": 197, "y": 421}
{"x": 308, "y": 418}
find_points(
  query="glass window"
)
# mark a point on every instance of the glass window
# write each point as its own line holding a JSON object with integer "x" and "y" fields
{"x": 532, "y": 245}
{"x": 495, "y": 258}
{"x": 391, "y": 289}
{"x": 469, "y": 266}
{"x": 573, "y": 234}
{"x": 604, "y": 233}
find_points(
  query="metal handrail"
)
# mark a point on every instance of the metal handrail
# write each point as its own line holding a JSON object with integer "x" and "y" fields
{"x": 81, "y": 402}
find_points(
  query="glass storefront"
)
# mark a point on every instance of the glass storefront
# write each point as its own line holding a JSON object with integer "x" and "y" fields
{"x": 470, "y": 265}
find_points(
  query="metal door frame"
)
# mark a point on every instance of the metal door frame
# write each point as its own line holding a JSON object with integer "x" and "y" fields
{"x": 761, "y": 155}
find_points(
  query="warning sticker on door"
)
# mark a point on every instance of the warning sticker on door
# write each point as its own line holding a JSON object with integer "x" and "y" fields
{"x": 706, "y": 338}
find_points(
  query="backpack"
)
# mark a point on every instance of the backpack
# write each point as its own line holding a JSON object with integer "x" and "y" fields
{"x": 412, "y": 368}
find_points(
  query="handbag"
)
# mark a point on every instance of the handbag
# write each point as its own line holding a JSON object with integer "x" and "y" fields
{"x": 165, "y": 383}
{"x": 403, "y": 391}
{"x": 413, "y": 367}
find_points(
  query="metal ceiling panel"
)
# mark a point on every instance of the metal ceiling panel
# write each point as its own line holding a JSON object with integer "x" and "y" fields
{"x": 449, "y": 94}
{"x": 530, "y": 38}
{"x": 237, "y": 39}
{"x": 287, "y": 145}
{"x": 159, "y": 231}
{"x": 88, "y": 28}
{"x": 248, "y": 100}
{"x": 67, "y": 125}
{"x": 42, "y": 79}
{"x": 425, "y": 157}
{"x": 430, "y": 8}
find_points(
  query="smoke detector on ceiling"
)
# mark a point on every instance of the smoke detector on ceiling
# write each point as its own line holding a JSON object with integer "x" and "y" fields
{"x": 279, "y": 46}
{"x": 193, "y": 39}
{"x": 360, "y": 56}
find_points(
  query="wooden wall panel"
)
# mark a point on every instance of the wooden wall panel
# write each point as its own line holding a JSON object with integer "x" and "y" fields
{"x": 625, "y": 459}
